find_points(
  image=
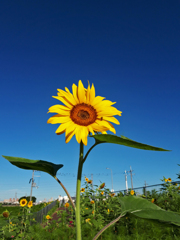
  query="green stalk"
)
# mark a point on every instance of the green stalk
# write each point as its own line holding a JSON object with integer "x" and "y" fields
{"x": 108, "y": 225}
{"x": 65, "y": 191}
{"x": 78, "y": 189}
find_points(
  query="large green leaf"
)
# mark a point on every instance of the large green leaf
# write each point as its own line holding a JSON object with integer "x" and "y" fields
{"x": 39, "y": 165}
{"x": 108, "y": 138}
{"x": 142, "y": 208}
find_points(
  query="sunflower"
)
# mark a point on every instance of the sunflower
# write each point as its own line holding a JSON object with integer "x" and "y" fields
{"x": 165, "y": 180}
{"x": 112, "y": 194}
{"x": 108, "y": 210}
{"x": 169, "y": 179}
{"x": 6, "y": 214}
{"x": 23, "y": 202}
{"x": 132, "y": 192}
{"x": 102, "y": 186}
{"x": 90, "y": 181}
{"x": 82, "y": 113}
{"x": 86, "y": 179}
{"x": 30, "y": 203}
{"x": 82, "y": 189}
{"x": 102, "y": 193}
{"x": 66, "y": 205}
{"x": 48, "y": 217}
{"x": 88, "y": 219}
{"x": 92, "y": 202}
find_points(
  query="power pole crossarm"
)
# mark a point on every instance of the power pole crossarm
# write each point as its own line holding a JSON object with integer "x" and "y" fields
{"x": 131, "y": 177}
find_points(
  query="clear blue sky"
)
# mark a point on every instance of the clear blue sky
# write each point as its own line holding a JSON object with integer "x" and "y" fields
{"x": 130, "y": 51}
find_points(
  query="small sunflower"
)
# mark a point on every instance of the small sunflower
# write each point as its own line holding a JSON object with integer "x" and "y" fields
{"x": 132, "y": 192}
{"x": 169, "y": 179}
{"x": 92, "y": 202}
{"x": 108, "y": 210}
{"x": 93, "y": 212}
{"x": 23, "y": 202}
{"x": 102, "y": 193}
{"x": 66, "y": 205}
{"x": 48, "y": 217}
{"x": 10, "y": 223}
{"x": 82, "y": 113}
{"x": 165, "y": 180}
{"x": 6, "y": 214}
{"x": 30, "y": 204}
{"x": 90, "y": 181}
{"x": 82, "y": 189}
{"x": 112, "y": 194}
{"x": 88, "y": 219}
{"x": 86, "y": 208}
{"x": 86, "y": 179}
{"x": 102, "y": 186}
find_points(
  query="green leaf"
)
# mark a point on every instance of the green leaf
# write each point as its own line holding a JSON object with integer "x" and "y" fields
{"x": 108, "y": 138}
{"x": 142, "y": 208}
{"x": 38, "y": 165}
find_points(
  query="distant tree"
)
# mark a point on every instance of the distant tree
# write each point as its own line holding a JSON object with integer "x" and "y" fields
{"x": 28, "y": 198}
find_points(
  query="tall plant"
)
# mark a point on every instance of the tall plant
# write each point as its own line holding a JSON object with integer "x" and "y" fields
{"x": 86, "y": 115}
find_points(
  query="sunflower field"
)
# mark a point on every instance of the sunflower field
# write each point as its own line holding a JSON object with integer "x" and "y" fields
{"x": 99, "y": 207}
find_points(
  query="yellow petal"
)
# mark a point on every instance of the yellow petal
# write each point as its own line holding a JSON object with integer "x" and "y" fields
{"x": 67, "y": 90}
{"x": 78, "y": 134}
{"x": 54, "y": 108}
{"x": 97, "y": 100}
{"x": 84, "y": 134}
{"x": 111, "y": 119}
{"x": 63, "y": 100}
{"x": 81, "y": 92}
{"x": 69, "y": 136}
{"x": 70, "y": 128}
{"x": 88, "y": 94}
{"x": 104, "y": 104}
{"x": 61, "y": 129}
{"x": 58, "y": 119}
{"x": 68, "y": 96}
{"x": 90, "y": 129}
{"x": 106, "y": 124}
{"x": 109, "y": 111}
{"x": 59, "y": 110}
{"x": 98, "y": 128}
{"x": 92, "y": 94}
{"x": 75, "y": 93}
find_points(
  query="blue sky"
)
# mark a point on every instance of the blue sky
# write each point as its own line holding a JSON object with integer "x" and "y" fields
{"x": 130, "y": 51}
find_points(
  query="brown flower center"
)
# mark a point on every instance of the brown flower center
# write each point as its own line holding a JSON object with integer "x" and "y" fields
{"x": 6, "y": 214}
{"x": 83, "y": 114}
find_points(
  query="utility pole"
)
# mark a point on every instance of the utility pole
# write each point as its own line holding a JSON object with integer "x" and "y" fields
{"x": 145, "y": 193}
{"x": 126, "y": 181}
{"x": 112, "y": 190}
{"x": 131, "y": 177}
{"x": 33, "y": 184}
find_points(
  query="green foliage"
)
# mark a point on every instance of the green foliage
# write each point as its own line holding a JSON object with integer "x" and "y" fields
{"x": 39, "y": 165}
{"x": 129, "y": 227}
{"x": 108, "y": 138}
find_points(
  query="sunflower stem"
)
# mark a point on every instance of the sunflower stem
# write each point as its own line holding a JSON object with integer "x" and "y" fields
{"x": 65, "y": 191}
{"x": 108, "y": 225}
{"x": 78, "y": 188}
{"x": 90, "y": 150}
